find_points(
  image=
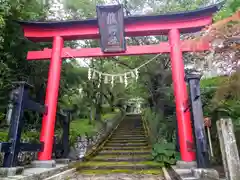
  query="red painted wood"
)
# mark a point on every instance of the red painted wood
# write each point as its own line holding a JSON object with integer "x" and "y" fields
{"x": 135, "y": 29}
{"x": 181, "y": 97}
{"x": 164, "y": 47}
{"x": 48, "y": 122}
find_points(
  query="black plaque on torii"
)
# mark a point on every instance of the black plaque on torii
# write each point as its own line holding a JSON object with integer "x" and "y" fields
{"x": 111, "y": 28}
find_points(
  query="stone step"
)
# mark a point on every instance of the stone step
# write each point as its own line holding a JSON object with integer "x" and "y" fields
{"x": 133, "y": 121}
{"x": 121, "y": 171}
{"x": 127, "y": 148}
{"x": 121, "y": 159}
{"x": 185, "y": 174}
{"x": 128, "y": 134}
{"x": 133, "y": 151}
{"x": 124, "y": 152}
{"x": 127, "y": 138}
{"x": 133, "y": 167}
{"x": 125, "y": 156}
{"x": 120, "y": 165}
{"x": 109, "y": 144}
{"x": 128, "y": 141}
{"x": 131, "y": 125}
{"x": 189, "y": 178}
{"x": 130, "y": 129}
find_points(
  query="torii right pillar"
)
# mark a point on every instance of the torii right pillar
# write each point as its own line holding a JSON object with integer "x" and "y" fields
{"x": 185, "y": 132}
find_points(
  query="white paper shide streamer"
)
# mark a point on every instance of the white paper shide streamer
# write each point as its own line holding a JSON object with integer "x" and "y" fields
{"x": 94, "y": 74}
{"x": 125, "y": 80}
{"x": 89, "y": 74}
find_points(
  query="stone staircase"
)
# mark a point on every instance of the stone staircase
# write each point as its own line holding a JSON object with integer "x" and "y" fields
{"x": 126, "y": 151}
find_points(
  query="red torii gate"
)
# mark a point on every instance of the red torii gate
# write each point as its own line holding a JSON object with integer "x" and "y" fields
{"x": 168, "y": 24}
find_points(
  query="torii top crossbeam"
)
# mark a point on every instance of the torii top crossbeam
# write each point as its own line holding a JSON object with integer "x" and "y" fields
{"x": 185, "y": 22}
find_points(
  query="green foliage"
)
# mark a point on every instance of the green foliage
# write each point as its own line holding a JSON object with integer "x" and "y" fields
{"x": 211, "y": 82}
{"x": 230, "y": 7}
{"x": 106, "y": 109}
{"x": 161, "y": 131}
{"x": 83, "y": 8}
{"x": 208, "y": 88}
{"x": 224, "y": 98}
{"x": 165, "y": 152}
{"x": 161, "y": 128}
{"x": 32, "y": 137}
{"x": 78, "y": 128}
{"x": 81, "y": 127}
{"x": 3, "y": 136}
{"x": 222, "y": 101}
{"x": 154, "y": 123}
{"x": 13, "y": 47}
{"x": 109, "y": 116}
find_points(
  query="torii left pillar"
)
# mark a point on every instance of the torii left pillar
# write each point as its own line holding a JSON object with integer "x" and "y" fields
{"x": 48, "y": 122}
